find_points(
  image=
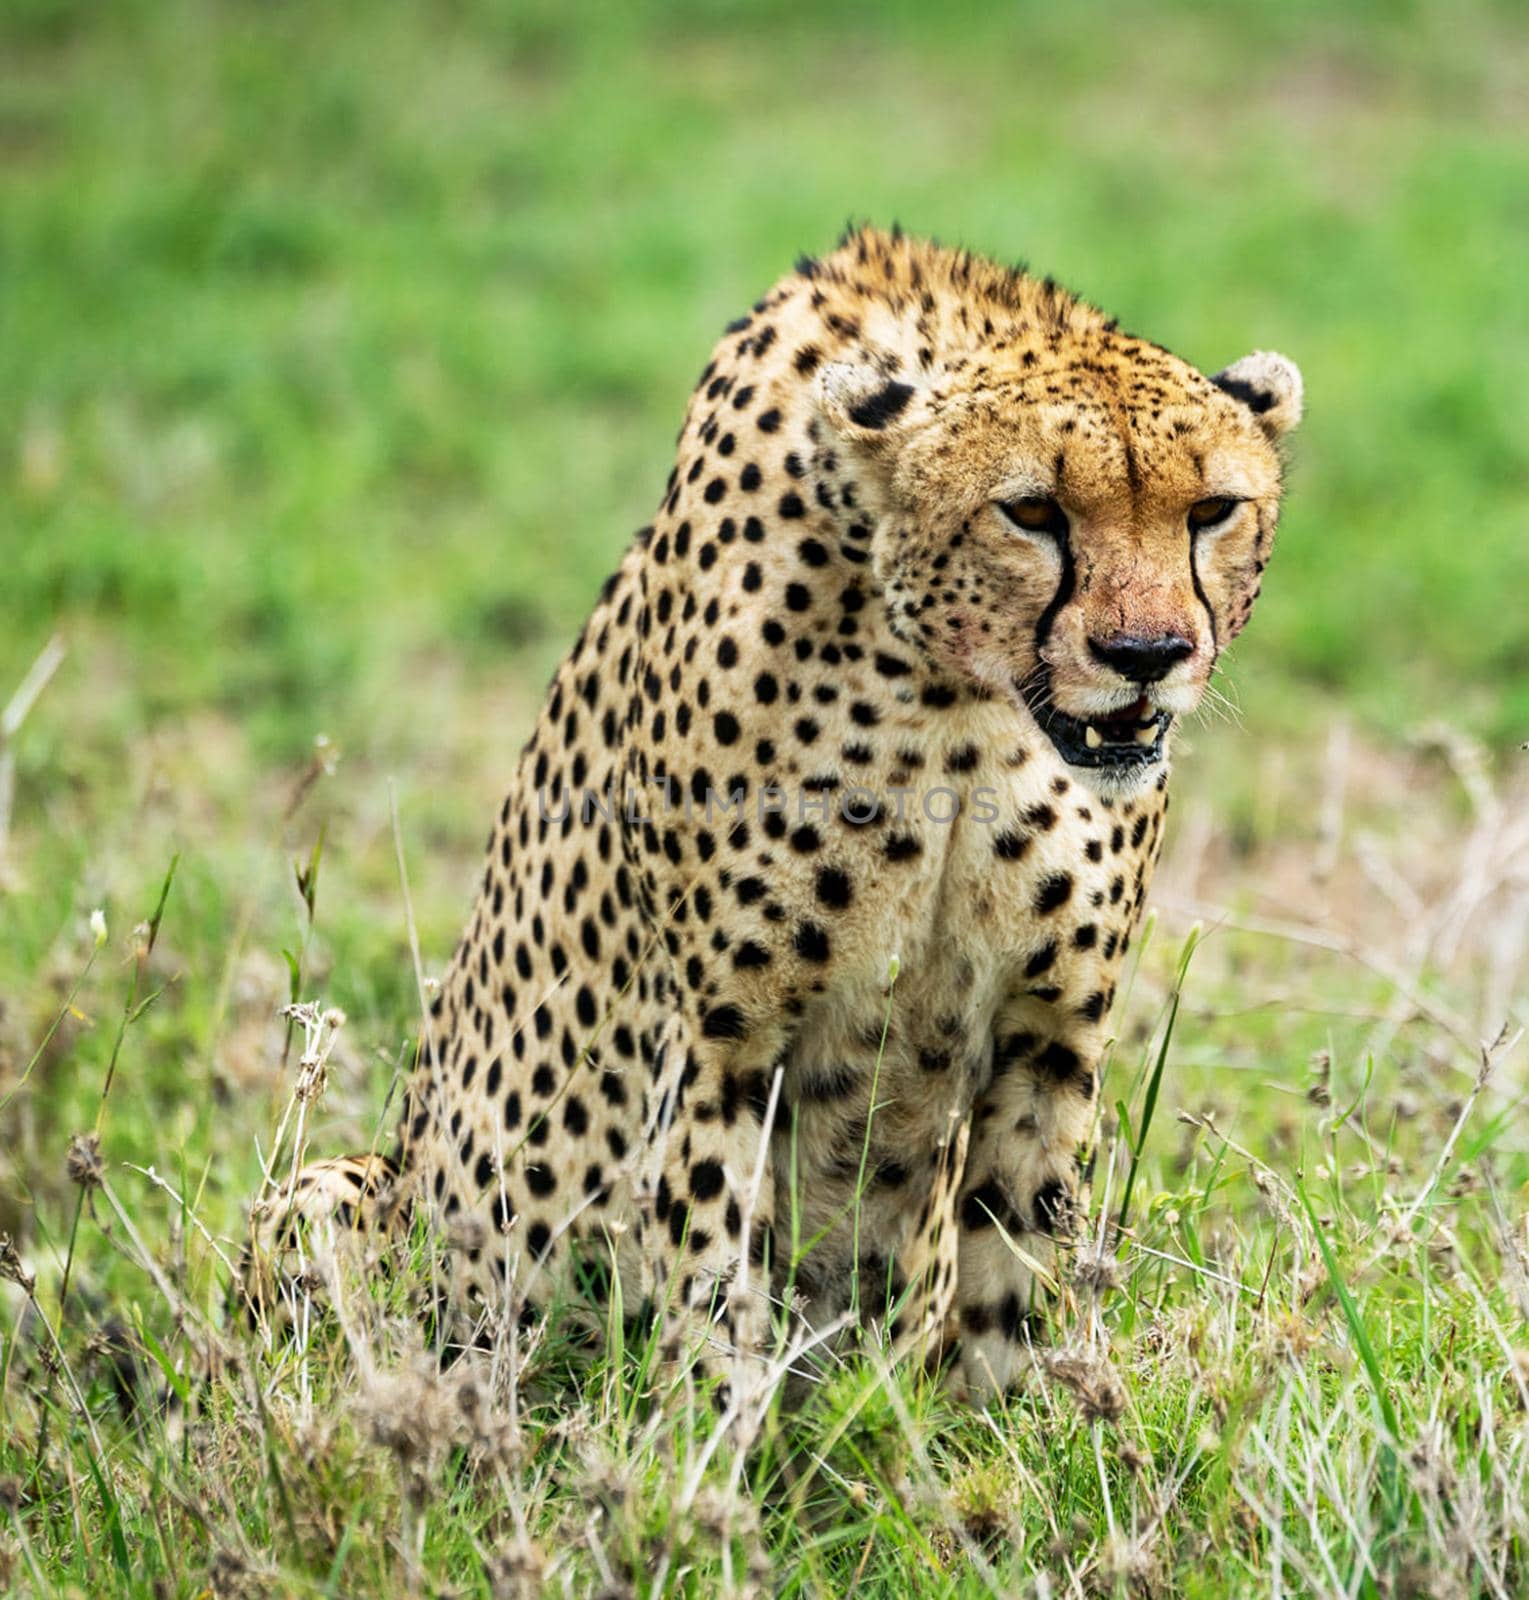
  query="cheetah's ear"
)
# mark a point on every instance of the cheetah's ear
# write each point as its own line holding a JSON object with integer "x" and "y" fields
{"x": 1269, "y": 385}
{"x": 862, "y": 403}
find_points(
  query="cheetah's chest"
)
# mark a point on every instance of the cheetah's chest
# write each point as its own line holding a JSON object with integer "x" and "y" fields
{"x": 997, "y": 933}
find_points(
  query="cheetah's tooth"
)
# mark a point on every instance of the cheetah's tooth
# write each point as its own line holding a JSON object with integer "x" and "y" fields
{"x": 1092, "y": 737}
{"x": 1147, "y": 735}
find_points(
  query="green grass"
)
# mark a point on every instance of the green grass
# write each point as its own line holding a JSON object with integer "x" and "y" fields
{"x": 1304, "y": 1366}
{"x": 341, "y": 348}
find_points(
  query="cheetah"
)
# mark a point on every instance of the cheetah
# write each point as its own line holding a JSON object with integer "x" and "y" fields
{"x": 789, "y": 972}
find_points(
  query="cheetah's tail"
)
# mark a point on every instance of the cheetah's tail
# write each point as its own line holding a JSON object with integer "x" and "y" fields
{"x": 353, "y": 1194}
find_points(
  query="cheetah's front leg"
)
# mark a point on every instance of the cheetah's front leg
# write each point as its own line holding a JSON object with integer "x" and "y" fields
{"x": 1018, "y": 1201}
{"x": 706, "y": 1240}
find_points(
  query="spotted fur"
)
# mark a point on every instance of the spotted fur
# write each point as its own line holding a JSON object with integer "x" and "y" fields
{"x": 846, "y": 1051}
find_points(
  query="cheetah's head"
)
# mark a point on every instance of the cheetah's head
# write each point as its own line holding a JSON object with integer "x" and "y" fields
{"x": 1082, "y": 531}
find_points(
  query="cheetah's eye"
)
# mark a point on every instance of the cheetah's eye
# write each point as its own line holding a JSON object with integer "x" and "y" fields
{"x": 1036, "y": 514}
{"x": 1207, "y": 513}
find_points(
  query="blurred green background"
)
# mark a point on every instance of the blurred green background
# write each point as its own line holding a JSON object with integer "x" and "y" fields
{"x": 333, "y": 336}
{"x": 342, "y": 348}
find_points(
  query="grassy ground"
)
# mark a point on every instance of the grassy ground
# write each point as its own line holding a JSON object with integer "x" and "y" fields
{"x": 340, "y": 348}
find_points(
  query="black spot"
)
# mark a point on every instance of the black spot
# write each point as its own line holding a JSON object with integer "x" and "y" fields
{"x": 812, "y": 942}
{"x": 1053, "y": 892}
{"x": 540, "y": 1179}
{"x": 1041, "y": 961}
{"x": 706, "y": 1180}
{"x": 825, "y": 1084}
{"x": 1011, "y": 846}
{"x": 1057, "y": 1061}
{"x": 1257, "y": 401}
{"x": 1011, "y": 1048}
{"x": 982, "y": 1207}
{"x": 1053, "y": 1206}
{"x": 877, "y": 410}
{"x": 724, "y": 1022}
{"x": 834, "y": 888}
{"x": 976, "y": 1319}
{"x": 791, "y": 506}
{"x": 813, "y": 553}
{"x": 1012, "y": 1317}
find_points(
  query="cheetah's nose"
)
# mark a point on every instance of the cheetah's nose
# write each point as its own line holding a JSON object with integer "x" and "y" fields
{"x": 1142, "y": 660}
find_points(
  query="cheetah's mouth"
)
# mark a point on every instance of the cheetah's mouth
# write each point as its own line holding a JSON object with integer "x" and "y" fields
{"x": 1132, "y": 736}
